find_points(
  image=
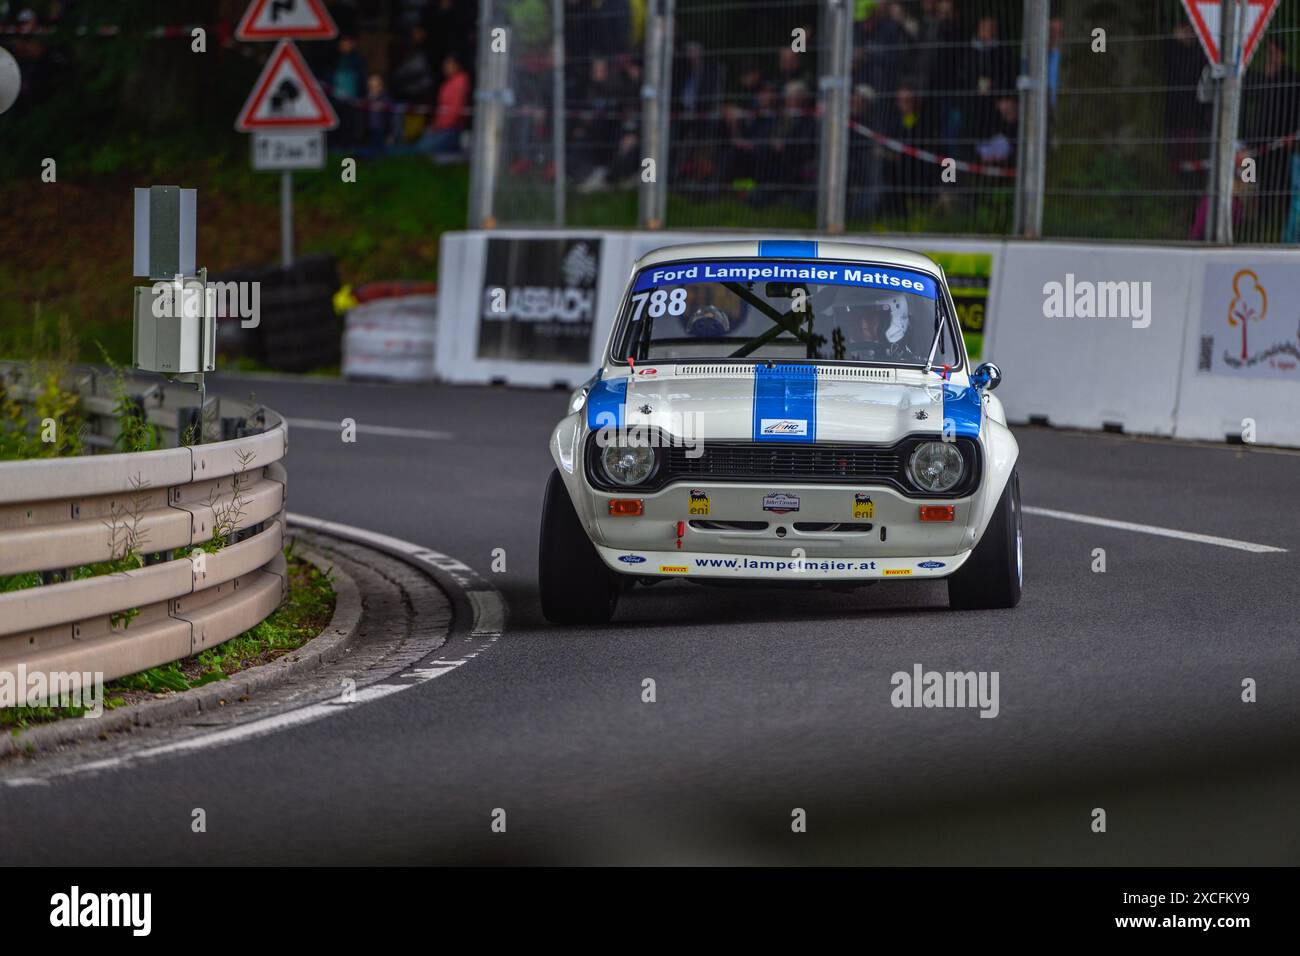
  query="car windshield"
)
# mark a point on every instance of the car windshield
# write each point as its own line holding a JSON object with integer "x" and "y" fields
{"x": 792, "y": 310}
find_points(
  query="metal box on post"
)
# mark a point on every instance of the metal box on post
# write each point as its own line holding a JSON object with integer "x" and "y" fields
{"x": 175, "y": 327}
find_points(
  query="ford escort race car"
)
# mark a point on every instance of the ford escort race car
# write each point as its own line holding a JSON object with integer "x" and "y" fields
{"x": 782, "y": 411}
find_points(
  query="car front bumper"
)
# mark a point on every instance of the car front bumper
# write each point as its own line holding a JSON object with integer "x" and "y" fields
{"x": 699, "y": 527}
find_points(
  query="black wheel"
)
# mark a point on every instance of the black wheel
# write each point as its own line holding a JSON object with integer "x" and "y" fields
{"x": 994, "y": 575}
{"x": 576, "y": 587}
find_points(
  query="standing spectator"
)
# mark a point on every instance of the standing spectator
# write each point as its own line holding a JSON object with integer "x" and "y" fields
{"x": 413, "y": 82}
{"x": 451, "y": 114}
{"x": 346, "y": 80}
{"x": 791, "y": 155}
{"x": 887, "y": 48}
{"x": 1271, "y": 97}
{"x": 1187, "y": 116}
{"x": 745, "y": 123}
{"x": 1055, "y": 34}
{"x": 791, "y": 67}
{"x": 939, "y": 42}
{"x": 904, "y": 118}
{"x": 596, "y": 132}
{"x": 865, "y": 160}
{"x": 697, "y": 94}
{"x": 990, "y": 74}
{"x": 379, "y": 119}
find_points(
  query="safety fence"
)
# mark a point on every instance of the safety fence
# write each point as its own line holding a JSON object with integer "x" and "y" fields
{"x": 1187, "y": 341}
{"x": 205, "y": 521}
{"x": 985, "y": 117}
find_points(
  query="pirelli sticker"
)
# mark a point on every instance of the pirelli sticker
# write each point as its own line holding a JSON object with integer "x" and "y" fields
{"x": 672, "y": 569}
{"x": 863, "y": 507}
{"x": 699, "y": 504}
{"x": 890, "y": 572}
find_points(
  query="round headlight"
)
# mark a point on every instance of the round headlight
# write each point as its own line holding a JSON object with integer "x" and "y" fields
{"x": 937, "y": 466}
{"x": 627, "y": 464}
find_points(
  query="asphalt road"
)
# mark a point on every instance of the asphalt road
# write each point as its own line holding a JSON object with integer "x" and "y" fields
{"x": 1118, "y": 690}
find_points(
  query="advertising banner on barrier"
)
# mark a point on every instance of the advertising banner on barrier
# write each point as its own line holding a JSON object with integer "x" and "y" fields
{"x": 969, "y": 276}
{"x": 1250, "y": 321}
{"x": 538, "y": 301}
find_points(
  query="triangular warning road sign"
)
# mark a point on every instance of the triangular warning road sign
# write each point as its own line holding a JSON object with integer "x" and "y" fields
{"x": 286, "y": 20}
{"x": 1206, "y": 20}
{"x": 286, "y": 96}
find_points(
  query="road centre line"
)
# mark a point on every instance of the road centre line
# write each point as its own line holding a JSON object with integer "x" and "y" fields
{"x": 390, "y": 431}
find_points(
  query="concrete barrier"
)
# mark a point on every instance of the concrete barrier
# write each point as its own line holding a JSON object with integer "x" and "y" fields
{"x": 1127, "y": 337}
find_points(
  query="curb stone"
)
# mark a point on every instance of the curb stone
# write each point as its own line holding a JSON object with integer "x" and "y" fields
{"x": 333, "y": 642}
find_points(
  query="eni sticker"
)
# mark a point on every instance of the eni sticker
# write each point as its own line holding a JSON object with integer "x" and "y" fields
{"x": 890, "y": 572}
{"x": 863, "y": 507}
{"x": 699, "y": 503}
{"x": 672, "y": 569}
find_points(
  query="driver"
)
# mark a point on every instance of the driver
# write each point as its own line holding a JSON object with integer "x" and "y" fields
{"x": 877, "y": 330}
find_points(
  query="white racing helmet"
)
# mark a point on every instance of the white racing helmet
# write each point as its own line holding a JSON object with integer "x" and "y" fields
{"x": 894, "y": 306}
{"x": 898, "y": 318}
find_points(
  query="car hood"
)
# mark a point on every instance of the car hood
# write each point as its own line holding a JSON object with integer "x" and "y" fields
{"x": 780, "y": 403}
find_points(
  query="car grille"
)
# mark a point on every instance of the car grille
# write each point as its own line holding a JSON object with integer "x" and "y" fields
{"x": 792, "y": 462}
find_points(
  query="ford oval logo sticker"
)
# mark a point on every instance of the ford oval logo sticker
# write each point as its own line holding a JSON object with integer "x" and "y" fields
{"x": 631, "y": 559}
{"x": 930, "y": 565}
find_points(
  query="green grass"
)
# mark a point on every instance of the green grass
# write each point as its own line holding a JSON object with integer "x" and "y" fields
{"x": 384, "y": 226}
{"x": 304, "y": 614}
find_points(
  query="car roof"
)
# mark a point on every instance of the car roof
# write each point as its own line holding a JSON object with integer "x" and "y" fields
{"x": 809, "y": 249}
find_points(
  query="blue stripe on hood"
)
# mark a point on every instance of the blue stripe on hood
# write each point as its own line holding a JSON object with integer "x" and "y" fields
{"x": 785, "y": 394}
{"x": 605, "y": 404}
{"x": 964, "y": 407}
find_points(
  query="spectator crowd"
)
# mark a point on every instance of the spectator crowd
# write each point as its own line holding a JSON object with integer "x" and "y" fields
{"x": 930, "y": 80}
{"x": 399, "y": 75}
{"x": 747, "y": 121}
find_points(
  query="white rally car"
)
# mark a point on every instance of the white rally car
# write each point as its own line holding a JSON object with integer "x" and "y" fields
{"x": 787, "y": 411}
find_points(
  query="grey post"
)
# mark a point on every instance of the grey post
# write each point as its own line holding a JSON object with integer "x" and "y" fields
{"x": 557, "y": 107}
{"x": 489, "y": 119}
{"x": 656, "y": 100}
{"x": 286, "y": 219}
{"x": 1031, "y": 150}
{"x": 833, "y": 88}
{"x": 1227, "y": 107}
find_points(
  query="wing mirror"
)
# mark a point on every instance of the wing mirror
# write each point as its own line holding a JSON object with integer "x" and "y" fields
{"x": 987, "y": 376}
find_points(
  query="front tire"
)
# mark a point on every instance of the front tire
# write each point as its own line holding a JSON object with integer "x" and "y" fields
{"x": 575, "y": 585}
{"x": 993, "y": 577}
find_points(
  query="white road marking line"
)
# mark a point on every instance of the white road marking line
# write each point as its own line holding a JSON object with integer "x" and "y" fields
{"x": 1152, "y": 529}
{"x": 388, "y": 430}
{"x": 489, "y": 613}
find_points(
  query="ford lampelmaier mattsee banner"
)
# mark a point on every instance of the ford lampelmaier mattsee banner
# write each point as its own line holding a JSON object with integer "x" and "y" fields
{"x": 539, "y": 299}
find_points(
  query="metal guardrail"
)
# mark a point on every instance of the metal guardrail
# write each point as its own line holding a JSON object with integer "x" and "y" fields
{"x": 62, "y": 513}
